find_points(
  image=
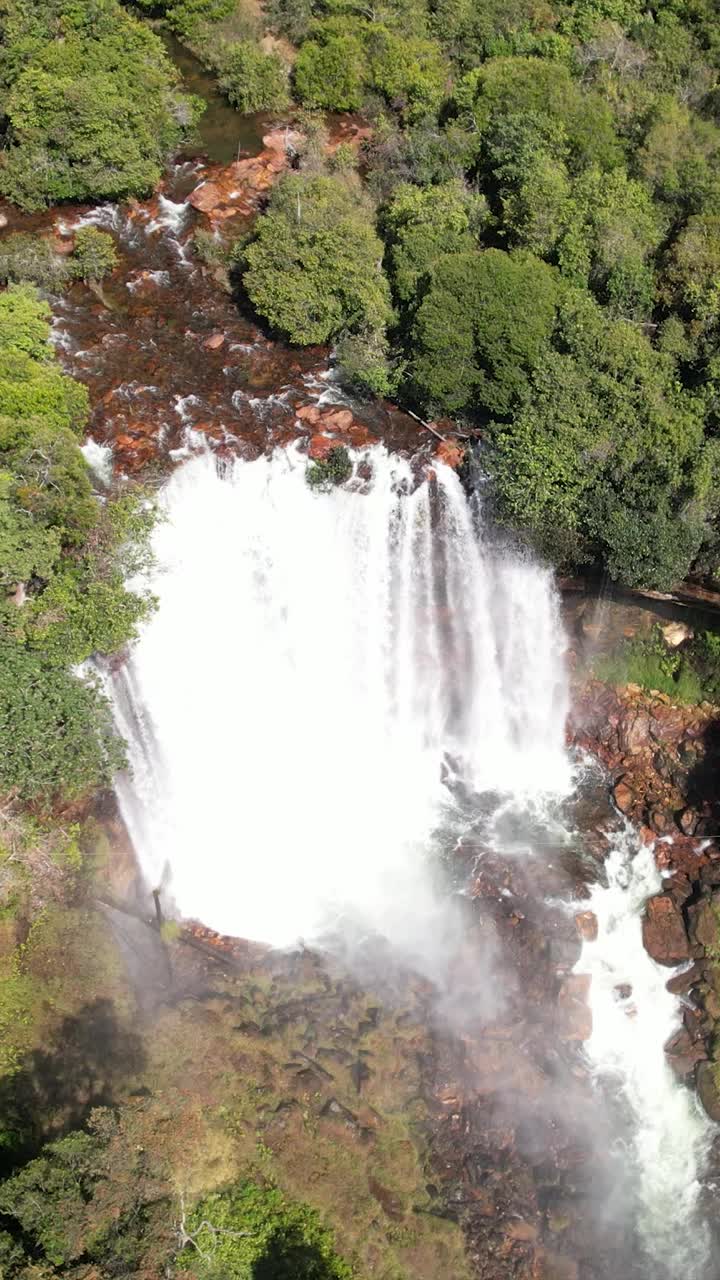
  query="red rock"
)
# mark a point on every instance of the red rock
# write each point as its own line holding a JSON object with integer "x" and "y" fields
{"x": 308, "y": 413}
{"x": 636, "y": 734}
{"x": 338, "y": 419}
{"x": 663, "y": 931}
{"x": 451, "y": 452}
{"x": 321, "y": 447}
{"x": 214, "y": 342}
{"x": 587, "y": 925}
{"x": 239, "y": 187}
{"x": 623, "y": 797}
{"x": 574, "y": 1019}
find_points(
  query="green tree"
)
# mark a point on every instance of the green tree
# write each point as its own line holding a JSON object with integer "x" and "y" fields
{"x": 480, "y": 329}
{"x": 93, "y": 107}
{"x": 251, "y": 79}
{"x": 314, "y": 269}
{"x": 423, "y": 224}
{"x": 94, "y": 255}
{"x": 331, "y": 75}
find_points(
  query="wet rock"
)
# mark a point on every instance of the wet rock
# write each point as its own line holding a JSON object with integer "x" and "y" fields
{"x": 705, "y": 922}
{"x": 587, "y": 925}
{"x": 636, "y": 733}
{"x": 663, "y": 931}
{"x": 708, "y": 1091}
{"x": 574, "y": 1018}
{"x": 321, "y": 447}
{"x": 623, "y": 991}
{"x": 688, "y": 821}
{"x": 239, "y": 187}
{"x": 684, "y": 1053}
{"x": 681, "y": 983}
{"x": 623, "y": 796}
{"x": 450, "y": 452}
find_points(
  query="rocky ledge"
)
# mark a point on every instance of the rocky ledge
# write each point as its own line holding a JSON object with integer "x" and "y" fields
{"x": 663, "y": 760}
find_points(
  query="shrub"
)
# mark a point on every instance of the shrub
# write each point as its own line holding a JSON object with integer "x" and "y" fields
{"x": 253, "y": 1230}
{"x": 331, "y": 471}
{"x": 94, "y": 255}
{"x": 33, "y": 259}
{"x": 251, "y": 79}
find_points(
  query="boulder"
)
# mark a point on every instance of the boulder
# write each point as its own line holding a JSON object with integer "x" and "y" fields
{"x": 321, "y": 447}
{"x": 684, "y": 1053}
{"x": 587, "y": 925}
{"x": 574, "y": 1018}
{"x": 623, "y": 796}
{"x": 705, "y": 922}
{"x": 450, "y": 452}
{"x": 708, "y": 1091}
{"x": 636, "y": 733}
{"x": 663, "y": 931}
{"x": 214, "y": 342}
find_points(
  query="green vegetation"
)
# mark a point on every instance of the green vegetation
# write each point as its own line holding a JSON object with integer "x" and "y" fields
{"x": 94, "y": 254}
{"x": 63, "y": 561}
{"x": 688, "y": 674}
{"x": 252, "y": 1232}
{"x": 91, "y": 104}
{"x": 544, "y": 181}
{"x": 252, "y": 80}
{"x": 313, "y": 270}
{"x": 331, "y": 471}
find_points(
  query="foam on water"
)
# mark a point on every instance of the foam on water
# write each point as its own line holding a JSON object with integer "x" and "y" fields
{"x": 315, "y": 661}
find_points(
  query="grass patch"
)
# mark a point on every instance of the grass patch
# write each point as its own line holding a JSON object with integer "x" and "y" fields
{"x": 688, "y": 674}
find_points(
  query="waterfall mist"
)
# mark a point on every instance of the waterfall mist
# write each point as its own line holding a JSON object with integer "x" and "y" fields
{"x": 321, "y": 665}
{"x": 335, "y": 690}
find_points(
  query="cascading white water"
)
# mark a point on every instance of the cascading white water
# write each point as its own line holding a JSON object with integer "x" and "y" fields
{"x": 318, "y": 663}
{"x": 318, "y": 667}
{"x": 633, "y": 1016}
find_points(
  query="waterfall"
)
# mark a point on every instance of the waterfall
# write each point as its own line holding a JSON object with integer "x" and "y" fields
{"x": 319, "y": 665}
{"x": 324, "y": 674}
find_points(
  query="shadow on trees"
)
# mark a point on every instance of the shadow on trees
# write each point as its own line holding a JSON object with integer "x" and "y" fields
{"x": 288, "y": 1257}
{"x": 91, "y": 1056}
{"x": 702, "y": 789}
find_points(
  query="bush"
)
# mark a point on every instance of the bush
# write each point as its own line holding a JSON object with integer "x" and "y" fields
{"x": 30, "y": 258}
{"x": 253, "y": 80}
{"x": 57, "y": 737}
{"x": 94, "y": 255}
{"x": 331, "y": 471}
{"x": 252, "y": 1230}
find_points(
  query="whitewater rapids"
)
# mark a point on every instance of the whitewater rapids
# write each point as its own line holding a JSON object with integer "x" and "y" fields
{"x": 318, "y": 666}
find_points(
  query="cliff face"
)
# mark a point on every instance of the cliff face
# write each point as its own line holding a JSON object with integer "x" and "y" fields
{"x": 663, "y": 762}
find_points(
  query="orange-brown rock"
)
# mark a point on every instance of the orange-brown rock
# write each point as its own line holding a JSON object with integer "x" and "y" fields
{"x": 214, "y": 342}
{"x": 574, "y": 1019}
{"x": 321, "y": 447}
{"x": 308, "y": 413}
{"x": 450, "y": 452}
{"x": 587, "y": 925}
{"x": 663, "y": 931}
{"x": 238, "y": 188}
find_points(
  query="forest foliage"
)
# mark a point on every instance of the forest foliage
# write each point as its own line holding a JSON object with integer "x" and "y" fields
{"x": 544, "y": 182}
{"x": 64, "y": 557}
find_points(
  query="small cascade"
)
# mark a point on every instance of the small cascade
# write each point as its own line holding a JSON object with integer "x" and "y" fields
{"x": 633, "y": 1017}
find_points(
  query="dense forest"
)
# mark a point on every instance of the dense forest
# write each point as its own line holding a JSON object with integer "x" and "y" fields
{"x": 531, "y": 245}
